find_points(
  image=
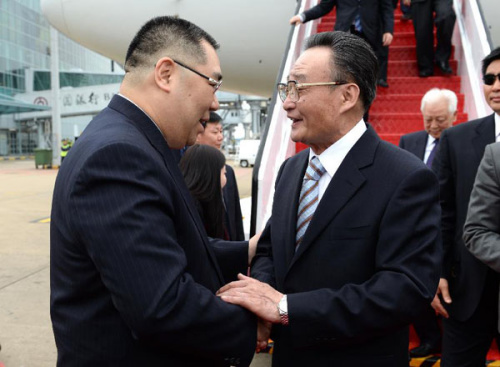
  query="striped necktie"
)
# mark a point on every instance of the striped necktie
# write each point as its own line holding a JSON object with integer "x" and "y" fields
{"x": 308, "y": 200}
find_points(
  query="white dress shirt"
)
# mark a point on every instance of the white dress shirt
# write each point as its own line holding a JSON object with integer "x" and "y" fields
{"x": 332, "y": 157}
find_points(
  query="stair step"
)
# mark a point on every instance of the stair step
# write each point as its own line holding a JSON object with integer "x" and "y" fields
{"x": 402, "y": 123}
{"x": 404, "y": 39}
{"x": 406, "y": 53}
{"x": 416, "y": 85}
{"x": 327, "y": 24}
{"x": 410, "y": 68}
{"x": 403, "y": 103}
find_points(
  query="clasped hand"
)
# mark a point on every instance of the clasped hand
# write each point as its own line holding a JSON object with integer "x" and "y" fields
{"x": 257, "y": 297}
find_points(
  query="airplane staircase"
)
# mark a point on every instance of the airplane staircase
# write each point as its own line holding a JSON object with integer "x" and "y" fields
{"x": 394, "y": 112}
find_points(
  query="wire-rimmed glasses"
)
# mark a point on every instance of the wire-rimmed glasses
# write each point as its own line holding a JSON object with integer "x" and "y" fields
{"x": 291, "y": 88}
{"x": 214, "y": 83}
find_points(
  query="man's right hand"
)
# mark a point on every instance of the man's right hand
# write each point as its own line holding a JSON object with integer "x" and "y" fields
{"x": 295, "y": 20}
{"x": 444, "y": 292}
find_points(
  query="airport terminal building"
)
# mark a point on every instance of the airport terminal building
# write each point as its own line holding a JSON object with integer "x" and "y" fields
{"x": 87, "y": 80}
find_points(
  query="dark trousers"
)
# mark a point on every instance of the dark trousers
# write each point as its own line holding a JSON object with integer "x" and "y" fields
{"x": 465, "y": 344}
{"x": 423, "y": 23}
{"x": 428, "y": 329}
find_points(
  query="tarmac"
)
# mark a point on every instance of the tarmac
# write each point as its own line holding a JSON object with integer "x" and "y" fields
{"x": 26, "y": 336}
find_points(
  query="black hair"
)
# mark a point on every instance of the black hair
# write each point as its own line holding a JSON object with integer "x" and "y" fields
{"x": 494, "y": 55}
{"x": 171, "y": 35}
{"x": 352, "y": 60}
{"x": 214, "y": 117}
{"x": 201, "y": 166}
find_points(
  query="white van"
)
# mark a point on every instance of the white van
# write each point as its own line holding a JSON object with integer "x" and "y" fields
{"x": 248, "y": 152}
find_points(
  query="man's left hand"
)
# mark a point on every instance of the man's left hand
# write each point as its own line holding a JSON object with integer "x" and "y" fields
{"x": 257, "y": 297}
{"x": 387, "y": 39}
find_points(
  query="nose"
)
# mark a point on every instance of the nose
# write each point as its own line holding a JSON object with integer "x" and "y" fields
{"x": 496, "y": 84}
{"x": 288, "y": 104}
{"x": 215, "y": 104}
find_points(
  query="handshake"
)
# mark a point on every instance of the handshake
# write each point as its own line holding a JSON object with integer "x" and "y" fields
{"x": 257, "y": 297}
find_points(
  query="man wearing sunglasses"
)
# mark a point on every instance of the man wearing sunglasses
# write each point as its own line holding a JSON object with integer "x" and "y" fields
{"x": 352, "y": 247}
{"x": 133, "y": 273}
{"x": 468, "y": 291}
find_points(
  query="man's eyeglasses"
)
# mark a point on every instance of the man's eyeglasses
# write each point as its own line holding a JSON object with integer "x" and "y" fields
{"x": 214, "y": 83}
{"x": 291, "y": 88}
{"x": 489, "y": 79}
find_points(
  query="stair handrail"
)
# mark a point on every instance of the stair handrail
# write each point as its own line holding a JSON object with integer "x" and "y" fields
{"x": 276, "y": 144}
{"x": 471, "y": 46}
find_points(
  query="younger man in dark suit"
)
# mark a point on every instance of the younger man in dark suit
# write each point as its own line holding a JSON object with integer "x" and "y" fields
{"x": 439, "y": 111}
{"x": 373, "y": 20}
{"x": 132, "y": 272}
{"x": 213, "y": 135}
{"x": 426, "y": 13}
{"x": 468, "y": 287}
{"x": 352, "y": 245}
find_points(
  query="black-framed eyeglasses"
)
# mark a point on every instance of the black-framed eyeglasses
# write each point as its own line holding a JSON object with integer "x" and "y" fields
{"x": 291, "y": 88}
{"x": 214, "y": 83}
{"x": 489, "y": 79}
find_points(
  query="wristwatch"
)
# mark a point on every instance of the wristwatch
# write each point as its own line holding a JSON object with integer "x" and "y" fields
{"x": 283, "y": 310}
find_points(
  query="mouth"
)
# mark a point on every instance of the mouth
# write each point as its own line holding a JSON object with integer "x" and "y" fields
{"x": 203, "y": 123}
{"x": 295, "y": 121}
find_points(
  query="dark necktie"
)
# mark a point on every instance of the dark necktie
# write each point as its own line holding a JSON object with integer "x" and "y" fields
{"x": 309, "y": 196}
{"x": 433, "y": 153}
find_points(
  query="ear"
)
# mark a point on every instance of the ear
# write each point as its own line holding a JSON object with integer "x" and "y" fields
{"x": 164, "y": 70}
{"x": 455, "y": 115}
{"x": 350, "y": 97}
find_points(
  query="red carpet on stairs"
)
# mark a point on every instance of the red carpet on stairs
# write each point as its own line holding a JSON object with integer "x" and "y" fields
{"x": 396, "y": 110}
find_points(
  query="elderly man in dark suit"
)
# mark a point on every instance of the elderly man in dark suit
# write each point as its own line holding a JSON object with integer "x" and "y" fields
{"x": 133, "y": 274}
{"x": 352, "y": 245}
{"x": 371, "y": 19}
{"x": 439, "y": 111}
{"x": 213, "y": 135}
{"x": 467, "y": 285}
{"x": 482, "y": 227}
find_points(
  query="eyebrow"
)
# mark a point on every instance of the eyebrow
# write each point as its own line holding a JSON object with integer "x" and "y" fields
{"x": 297, "y": 77}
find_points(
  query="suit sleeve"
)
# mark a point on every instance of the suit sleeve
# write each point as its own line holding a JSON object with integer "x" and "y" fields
{"x": 442, "y": 166}
{"x": 232, "y": 257}
{"x": 407, "y": 259}
{"x": 323, "y": 8}
{"x": 142, "y": 263}
{"x": 482, "y": 227}
{"x": 387, "y": 14}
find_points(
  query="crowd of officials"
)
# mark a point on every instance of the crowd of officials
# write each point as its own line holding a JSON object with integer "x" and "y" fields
{"x": 363, "y": 235}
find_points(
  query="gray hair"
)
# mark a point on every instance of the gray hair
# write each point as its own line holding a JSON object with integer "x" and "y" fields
{"x": 435, "y": 93}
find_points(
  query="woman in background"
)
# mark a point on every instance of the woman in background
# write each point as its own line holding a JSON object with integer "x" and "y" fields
{"x": 204, "y": 171}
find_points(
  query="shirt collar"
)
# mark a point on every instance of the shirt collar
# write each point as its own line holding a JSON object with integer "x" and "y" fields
{"x": 333, "y": 156}
{"x": 139, "y": 107}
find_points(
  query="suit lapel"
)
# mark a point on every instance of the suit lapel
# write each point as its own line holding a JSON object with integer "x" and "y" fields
{"x": 155, "y": 137}
{"x": 344, "y": 184}
{"x": 421, "y": 144}
{"x": 485, "y": 134}
{"x": 288, "y": 203}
